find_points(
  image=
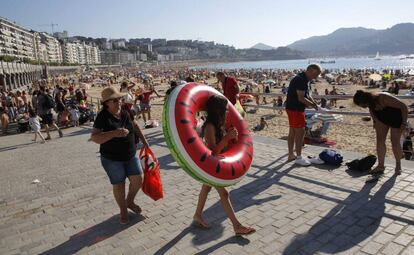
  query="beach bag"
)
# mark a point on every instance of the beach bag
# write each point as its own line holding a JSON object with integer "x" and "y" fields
{"x": 152, "y": 185}
{"x": 362, "y": 164}
{"x": 331, "y": 157}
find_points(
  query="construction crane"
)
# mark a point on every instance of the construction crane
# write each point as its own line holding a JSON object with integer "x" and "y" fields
{"x": 51, "y": 25}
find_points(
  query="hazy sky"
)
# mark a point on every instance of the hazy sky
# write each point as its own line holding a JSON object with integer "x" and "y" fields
{"x": 241, "y": 23}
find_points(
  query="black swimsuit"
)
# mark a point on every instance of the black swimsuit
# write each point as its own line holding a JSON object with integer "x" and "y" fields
{"x": 390, "y": 116}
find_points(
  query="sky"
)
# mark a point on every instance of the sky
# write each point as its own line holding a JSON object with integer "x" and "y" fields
{"x": 241, "y": 23}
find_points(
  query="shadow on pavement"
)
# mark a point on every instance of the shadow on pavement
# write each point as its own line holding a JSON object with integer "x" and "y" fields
{"x": 347, "y": 224}
{"x": 13, "y": 147}
{"x": 241, "y": 241}
{"x": 93, "y": 235}
{"x": 242, "y": 198}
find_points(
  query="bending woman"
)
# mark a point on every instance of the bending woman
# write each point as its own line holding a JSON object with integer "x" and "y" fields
{"x": 387, "y": 112}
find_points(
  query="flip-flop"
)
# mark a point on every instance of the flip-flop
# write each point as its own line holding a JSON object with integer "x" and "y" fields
{"x": 248, "y": 232}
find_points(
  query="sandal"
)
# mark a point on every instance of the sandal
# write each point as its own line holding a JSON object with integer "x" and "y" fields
{"x": 398, "y": 171}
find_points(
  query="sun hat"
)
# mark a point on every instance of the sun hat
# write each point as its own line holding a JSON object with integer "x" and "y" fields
{"x": 111, "y": 93}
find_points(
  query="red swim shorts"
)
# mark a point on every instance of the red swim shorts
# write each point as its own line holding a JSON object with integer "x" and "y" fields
{"x": 296, "y": 119}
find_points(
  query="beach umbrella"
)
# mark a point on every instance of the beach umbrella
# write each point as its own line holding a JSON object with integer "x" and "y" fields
{"x": 400, "y": 80}
{"x": 270, "y": 81}
{"x": 98, "y": 81}
{"x": 253, "y": 83}
{"x": 328, "y": 117}
{"x": 375, "y": 77}
{"x": 387, "y": 76}
{"x": 84, "y": 85}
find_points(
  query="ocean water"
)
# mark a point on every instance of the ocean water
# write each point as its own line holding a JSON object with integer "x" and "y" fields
{"x": 386, "y": 62}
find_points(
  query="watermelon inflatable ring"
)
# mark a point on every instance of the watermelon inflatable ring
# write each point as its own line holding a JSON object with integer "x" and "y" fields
{"x": 188, "y": 148}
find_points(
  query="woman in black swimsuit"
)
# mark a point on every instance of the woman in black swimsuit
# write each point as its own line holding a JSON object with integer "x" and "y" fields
{"x": 387, "y": 112}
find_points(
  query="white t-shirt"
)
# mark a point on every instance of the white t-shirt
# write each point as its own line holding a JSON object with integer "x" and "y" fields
{"x": 128, "y": 98}
{"x": 34, "y": 123}
{"x": 75, "y": 114}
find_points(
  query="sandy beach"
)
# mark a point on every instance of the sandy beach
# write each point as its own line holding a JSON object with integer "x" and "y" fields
{"x": 351, "y": 134}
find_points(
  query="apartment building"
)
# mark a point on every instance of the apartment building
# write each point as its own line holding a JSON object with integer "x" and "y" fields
{"x": 15, "y": 40}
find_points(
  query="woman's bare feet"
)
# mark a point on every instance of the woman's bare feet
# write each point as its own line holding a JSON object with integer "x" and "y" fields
{"x": 241, "y": 230}
{"x": 135, "y": 208}
{"x": 291, "y": 158}
{"x": 123, "y": 217}
{"x": 200, "y": 222}
{"x": 398, "y": 170}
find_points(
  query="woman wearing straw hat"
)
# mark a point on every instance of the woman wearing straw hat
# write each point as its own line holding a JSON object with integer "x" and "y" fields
{"x": 115, "y": 131}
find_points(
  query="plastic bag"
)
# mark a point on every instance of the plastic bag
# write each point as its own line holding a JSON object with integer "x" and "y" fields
{"x": 152, "y": 185}
{"x": 240, "y": 109}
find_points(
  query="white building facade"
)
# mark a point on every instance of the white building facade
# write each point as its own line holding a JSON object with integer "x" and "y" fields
{"x": 81, "y": 53}
{"x": 16, "y": 41}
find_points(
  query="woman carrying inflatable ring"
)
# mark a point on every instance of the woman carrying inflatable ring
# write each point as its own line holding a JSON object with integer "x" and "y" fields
{"x": 217, "y": 140}
{"x": 222, "y": 157}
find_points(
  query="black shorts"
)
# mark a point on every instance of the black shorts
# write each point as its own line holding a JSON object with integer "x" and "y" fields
{"x": 47, "y": 119}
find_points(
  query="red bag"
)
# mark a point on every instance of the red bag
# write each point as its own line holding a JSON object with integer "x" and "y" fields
{"x": 151, "y": 185}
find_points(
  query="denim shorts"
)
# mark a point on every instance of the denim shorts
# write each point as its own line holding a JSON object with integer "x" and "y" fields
{"x": 118, "y": 171}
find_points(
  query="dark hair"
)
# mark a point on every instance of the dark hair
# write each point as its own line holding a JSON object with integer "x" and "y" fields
{"x": 104, "y": 106}
{"x": 216, "y": 107}
{"x": 219, "y": 73}
{"x": 365, "y": 98}
{"x": 314, "y": 67}
{"x": 173, "y": 84}
{"x": 189, "y": 79}
{"x": 32, "y": 113}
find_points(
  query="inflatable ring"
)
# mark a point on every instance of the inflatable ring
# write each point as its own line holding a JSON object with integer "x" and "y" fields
{"x": 187, "y": 147}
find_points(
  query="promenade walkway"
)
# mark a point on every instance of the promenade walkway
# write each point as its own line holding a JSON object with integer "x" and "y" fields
{"x": 296, "y": 210}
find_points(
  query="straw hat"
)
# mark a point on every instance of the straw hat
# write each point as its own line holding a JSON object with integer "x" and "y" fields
{"x": 111, "y": 93}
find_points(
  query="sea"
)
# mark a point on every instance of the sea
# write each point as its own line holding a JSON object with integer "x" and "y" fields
{"x": 384, "y": 63}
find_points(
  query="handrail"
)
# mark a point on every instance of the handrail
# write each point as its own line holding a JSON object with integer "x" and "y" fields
{"x": 319, "y": 96}
{"x": 314, "y": 111}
